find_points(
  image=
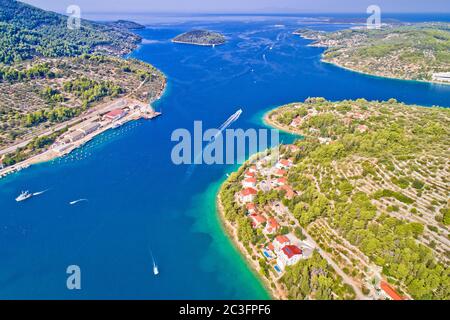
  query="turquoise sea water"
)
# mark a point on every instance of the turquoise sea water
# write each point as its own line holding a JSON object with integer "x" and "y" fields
{"x": 139, "y": 201}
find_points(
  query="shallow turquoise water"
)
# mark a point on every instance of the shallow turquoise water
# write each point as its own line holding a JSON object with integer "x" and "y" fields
{"x": 139, "y": 201}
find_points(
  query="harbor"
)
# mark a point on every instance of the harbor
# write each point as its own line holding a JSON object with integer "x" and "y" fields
{"x": 112, "y": 116}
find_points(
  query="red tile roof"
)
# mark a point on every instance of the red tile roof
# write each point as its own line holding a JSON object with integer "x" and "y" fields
{"x": 249, "y": 174}
{"x": 289, "y": 192}
{"x": 390, "y": 291}
{"x": 248, "y": 191}
{"x": 250, "y": 206}
{"x": 258, "y": 218}
{"x": 273, "y": 223}
{"x": 291, "y": 251}
{"x": 250, "y": 180}
{"x": 114, "y": 113}
{"x": 280, "y": 172}
{"x": 282, "y": 239}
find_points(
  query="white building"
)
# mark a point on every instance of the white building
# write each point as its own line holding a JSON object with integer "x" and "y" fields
{"x": 247, "y": 195}
{"x": 288, "y": 256}
{"x": 89, "y": 128}
{"x": 74, "y": 136}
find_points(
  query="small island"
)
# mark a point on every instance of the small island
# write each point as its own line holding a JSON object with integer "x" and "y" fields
{"x": 349, "y": 210}
{"x": 125, "y": 24}
{"x": 200, "y": 38}
{"x": 410, "y": 52}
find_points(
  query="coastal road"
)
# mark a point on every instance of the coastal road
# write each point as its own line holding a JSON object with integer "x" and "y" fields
{"x": 95, "y": 111}
{"x": 339, "y": 271}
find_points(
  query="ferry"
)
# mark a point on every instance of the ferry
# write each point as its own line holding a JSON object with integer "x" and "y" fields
{"x": 24, "y": 196}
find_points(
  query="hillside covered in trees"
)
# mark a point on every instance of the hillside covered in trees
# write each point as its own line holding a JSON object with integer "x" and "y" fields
{"x": 369, "y": 183}
{"x": 27, "y": 32}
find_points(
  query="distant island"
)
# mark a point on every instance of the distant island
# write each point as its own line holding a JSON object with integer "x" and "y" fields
{"x": 200, "y": 38}
{"x": 125, "y": 24}
{"x": 59, "y": 87}
{"x": 357, "y": 209}
{"x": 410, "y": 52}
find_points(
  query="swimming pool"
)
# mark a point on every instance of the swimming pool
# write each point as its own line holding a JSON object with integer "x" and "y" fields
{"x": 268, "y": 256}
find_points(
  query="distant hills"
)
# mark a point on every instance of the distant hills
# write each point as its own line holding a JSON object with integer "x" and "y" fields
{"x": 27, "y": 31}
{"x": 125, "y": 24}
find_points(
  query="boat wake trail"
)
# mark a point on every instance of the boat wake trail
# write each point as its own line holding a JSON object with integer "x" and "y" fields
{"x": 77, "y": 201}
{"x": 155, "y": 266}
{"x": 39, "y": 193}
{"x": 223, "y": 127}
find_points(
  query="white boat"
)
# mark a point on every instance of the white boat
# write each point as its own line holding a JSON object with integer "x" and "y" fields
{"x": 24, "y": 195}
{"x": 117, "y": 124}
{"x": 155, "y": 269}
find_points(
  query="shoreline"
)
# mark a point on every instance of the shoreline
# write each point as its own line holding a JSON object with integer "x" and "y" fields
{"x": 230, "y": 231}
{"x": 267, "y": 121}
{"x": 381, "y": 76}
{"x": 322, "y": 59}
{"x": 51, "y": 154}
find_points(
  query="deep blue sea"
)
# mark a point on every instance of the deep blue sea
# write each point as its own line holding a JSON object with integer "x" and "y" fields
{"x": 139, "y": 201}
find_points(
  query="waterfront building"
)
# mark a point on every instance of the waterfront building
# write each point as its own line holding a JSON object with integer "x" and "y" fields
{"x": 115, "y": 114}
{"x": 74, "y": 136}
{"x": 89, "y": 128}
{"x": 288, "y": 256}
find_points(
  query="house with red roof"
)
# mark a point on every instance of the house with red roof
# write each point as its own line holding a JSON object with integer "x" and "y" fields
{"x": 293, "y": 147}
{"x": 280, "y": 173}
{"x": 390, "y": 292}
{"x": 280, "y": 242}
{"x": 288, "y": 256}
{"x": 284, "y": 164}
{"x": 281, "y": 181}
{"x": 272, "y": 226}
{"x": 249, "y": 183}
{"x": 252, "y": 169}
{"x": 249, "y": 174}
{"x": 297, "y": 122}
{"x": 251, "y": 208}
{"x": 247, "y": 195}
{"x": 115, "y": 114}
{"x": 257, "y": 220}
{"x": 362, "y": 128}
{"x": 290, "y": 193}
